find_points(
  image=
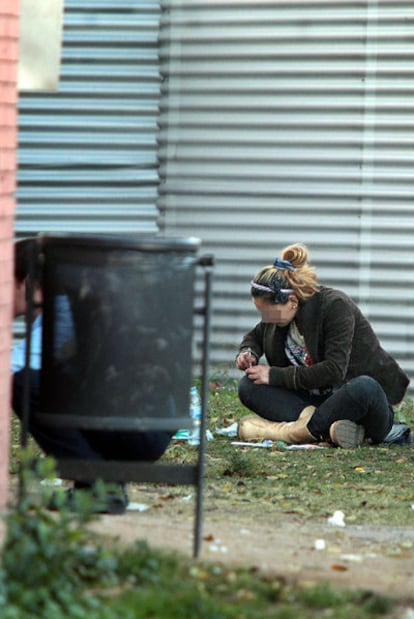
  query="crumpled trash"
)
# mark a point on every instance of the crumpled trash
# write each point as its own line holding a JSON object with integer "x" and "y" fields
{"x": 186, "y": 435}
{"x": 352, "y": 558}
{"x": 337, "y": 519}
{"x": 182, "y": 435}
{"x": 137, "y": 507}
{"x": 51, "y": 482}
{"x": 320, "y": 544}
{"x": 400, "y": 434}
{"x": 230, "y": 431}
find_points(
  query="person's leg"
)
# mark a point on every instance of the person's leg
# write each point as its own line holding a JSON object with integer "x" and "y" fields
{"x": 134, "y": 446}
{"x": 62, "y": 443}
{"x": 55, "y": 442}
{"x": 88, "y": 445}
{"x": 283, "y": 414}
{"x": 131, "y": 445}
{"x": 272, "y": 403}
{"x": 362, "y": 401}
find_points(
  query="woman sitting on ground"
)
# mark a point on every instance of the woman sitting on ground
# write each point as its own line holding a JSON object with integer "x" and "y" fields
{"x": 327, "y": 378}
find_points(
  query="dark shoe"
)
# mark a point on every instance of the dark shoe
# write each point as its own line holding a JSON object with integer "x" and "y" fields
{"x": 346, "y": 434}
{"x": 112, "y": 501}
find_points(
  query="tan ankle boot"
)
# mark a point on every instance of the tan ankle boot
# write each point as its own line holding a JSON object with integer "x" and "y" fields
{"x": 296, "y": 432}
{"x": 291, "y": 432}
{"x": 256, "y": 428}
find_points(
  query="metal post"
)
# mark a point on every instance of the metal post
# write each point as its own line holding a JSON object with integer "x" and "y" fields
{"x": 207, "y": 262}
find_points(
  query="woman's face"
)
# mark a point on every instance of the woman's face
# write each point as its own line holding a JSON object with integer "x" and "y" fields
{"x": 278, "y": 314}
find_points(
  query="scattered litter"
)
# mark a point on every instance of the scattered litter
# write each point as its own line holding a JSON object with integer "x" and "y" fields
{"x": 182, "y": 435}
{"x": 51, "y": 482}
{"x": 265, "y": 443}
{"x": 137, "y": 507}
{"x": 353, "y": 558}
{"x": 320, "y": 544}
{"x": 244, "y": 531}
{"x": 230, "y": 431}
{"x": 412, "y": 506}
{"x": 187, "y": 435}
{"x": 339, "y": 568}
{"x": 187, "y": 497}
{"x": 216, "y": 548}
{"x": 337, "y": 519}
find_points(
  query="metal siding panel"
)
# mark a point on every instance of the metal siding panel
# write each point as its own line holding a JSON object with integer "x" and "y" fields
{"x": 88, "y": 153}
{"x": 293, "y": 121}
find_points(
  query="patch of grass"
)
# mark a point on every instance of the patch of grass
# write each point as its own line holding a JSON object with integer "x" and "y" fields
{"x": 214, "y": 592}
{"x": 241, "y": 464}
{"x": 53, "y": 567}
{"x": 372, "y": 485}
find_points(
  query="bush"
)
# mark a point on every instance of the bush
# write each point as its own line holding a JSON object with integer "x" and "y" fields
{"x": 48, "y": 557}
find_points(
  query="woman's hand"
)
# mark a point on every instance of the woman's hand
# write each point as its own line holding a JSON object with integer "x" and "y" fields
{"x": 259, "y": 374}
{"x": 245, "y": 360}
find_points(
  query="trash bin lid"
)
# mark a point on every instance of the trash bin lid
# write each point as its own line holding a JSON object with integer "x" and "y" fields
{"x": 140, "y": 242}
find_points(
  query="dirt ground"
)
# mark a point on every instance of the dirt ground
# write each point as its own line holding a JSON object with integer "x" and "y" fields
{"x": 376, "y": 558}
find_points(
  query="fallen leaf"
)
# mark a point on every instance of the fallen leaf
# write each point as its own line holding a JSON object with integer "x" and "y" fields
{"x": 208, "y": 538}
{"x": 227, "y": 488}
{"x": 214, "y": 385}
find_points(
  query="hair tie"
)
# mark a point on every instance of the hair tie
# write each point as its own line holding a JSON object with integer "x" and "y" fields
{"x": 283, "y": 264}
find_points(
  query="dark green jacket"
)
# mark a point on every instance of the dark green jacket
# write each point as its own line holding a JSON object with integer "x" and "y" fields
{"x": 340, "y": 341}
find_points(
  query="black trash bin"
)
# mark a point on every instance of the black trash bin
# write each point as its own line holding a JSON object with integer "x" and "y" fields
{"x": 117, "y": 331}
{"x": 118, "y": 316}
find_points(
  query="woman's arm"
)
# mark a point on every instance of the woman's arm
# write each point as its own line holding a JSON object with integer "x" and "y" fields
{"x": 250, "y": 349}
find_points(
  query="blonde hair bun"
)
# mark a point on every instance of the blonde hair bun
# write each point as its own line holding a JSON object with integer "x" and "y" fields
{"x": 297, "y": 254}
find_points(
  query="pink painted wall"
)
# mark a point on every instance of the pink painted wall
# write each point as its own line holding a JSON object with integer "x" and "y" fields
{"x": 9, "y": 10}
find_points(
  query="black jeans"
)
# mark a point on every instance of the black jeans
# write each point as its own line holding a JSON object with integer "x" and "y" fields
{"x": 90, "y": 444}
{"x": 361, "y": 400}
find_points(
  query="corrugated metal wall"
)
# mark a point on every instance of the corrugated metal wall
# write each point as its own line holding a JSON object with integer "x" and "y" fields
{"x": 88, "y": 153}
{"x": 293, "y": 121}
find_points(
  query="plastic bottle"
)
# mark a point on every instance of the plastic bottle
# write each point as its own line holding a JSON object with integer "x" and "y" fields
{"x": 195, "y": 412}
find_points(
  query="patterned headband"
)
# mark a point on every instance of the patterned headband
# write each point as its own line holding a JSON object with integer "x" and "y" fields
{"x": 267, "y": 289}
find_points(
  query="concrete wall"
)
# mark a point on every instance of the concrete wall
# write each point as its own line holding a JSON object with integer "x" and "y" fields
{"x": 8, "y": 123}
